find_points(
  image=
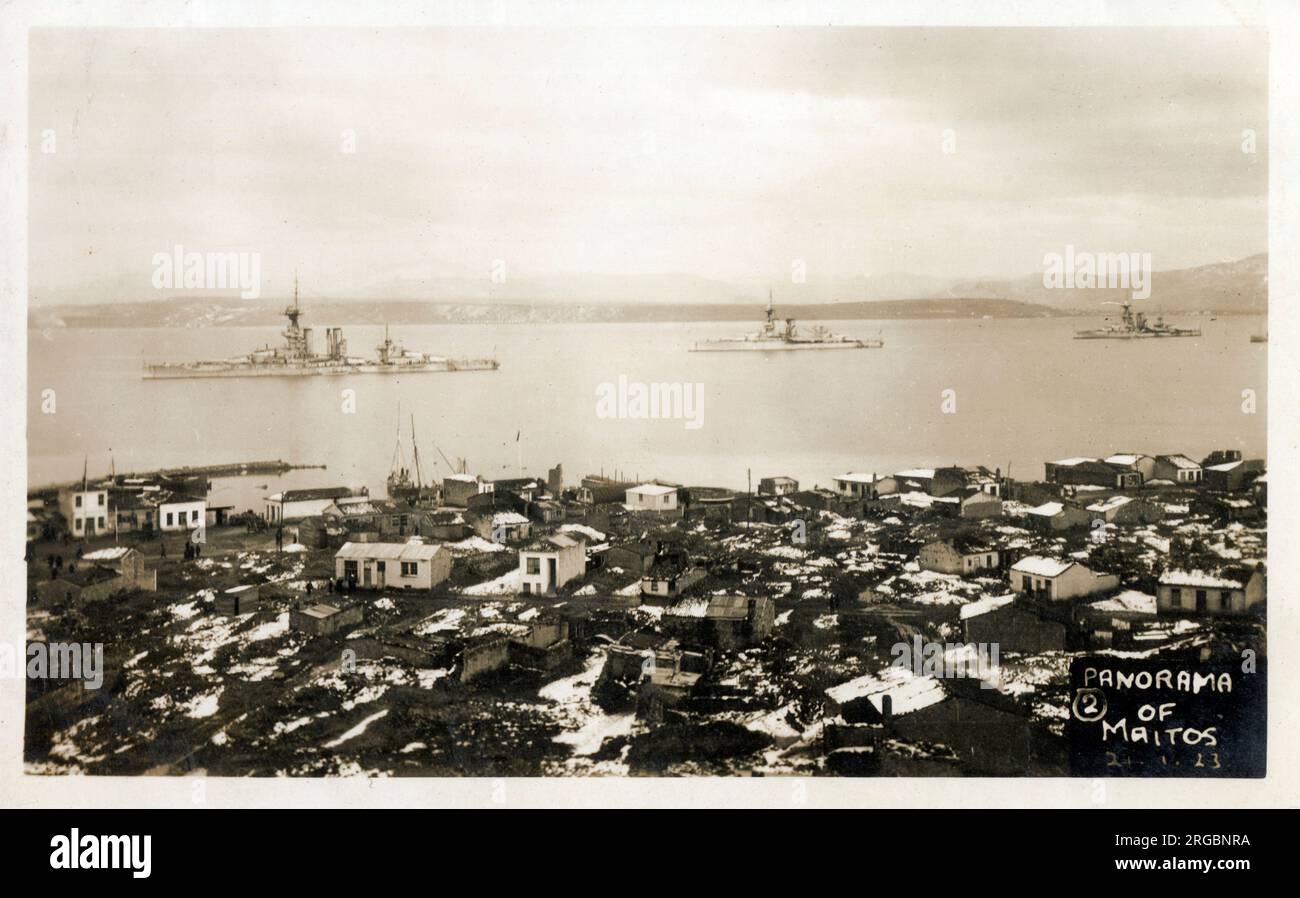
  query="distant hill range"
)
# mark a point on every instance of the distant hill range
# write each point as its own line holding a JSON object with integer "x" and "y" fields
{"x": 1239, "y": 287}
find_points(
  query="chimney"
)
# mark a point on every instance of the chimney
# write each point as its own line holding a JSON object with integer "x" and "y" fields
{"x": 886, "y": 708}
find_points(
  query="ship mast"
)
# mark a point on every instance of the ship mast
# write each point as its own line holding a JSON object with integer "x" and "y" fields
{"x": 415, "y": 453}
{"x": 397, "y": 469}
{"x": 294, "y": 340}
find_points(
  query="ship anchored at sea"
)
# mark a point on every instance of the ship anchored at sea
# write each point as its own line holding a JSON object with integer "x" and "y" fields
{"x": 297, "y": 357}
{"x": 780, "y": 336}
{"x": 1135, "y": 326}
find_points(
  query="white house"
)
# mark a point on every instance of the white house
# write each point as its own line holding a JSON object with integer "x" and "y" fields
{"x": 548, "y": 564}
{"x": 295, "y": 505}
{"x": 652, "y": 497}
{"x": 500, "y": 526}
{"x": 85, "y": 510}
{"x": 864, "y": 486}
{"x": 177, "y": 511}
{"x": 958, "y": 556}
{"x": 1177, "y": 468}
{"x": 1204, "y": 592}
{"x": 1058, "y": 580}
{"x": 414, "y": 564}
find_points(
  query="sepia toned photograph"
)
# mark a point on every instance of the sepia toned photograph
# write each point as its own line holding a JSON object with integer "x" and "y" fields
{"x": 646, "y": 402}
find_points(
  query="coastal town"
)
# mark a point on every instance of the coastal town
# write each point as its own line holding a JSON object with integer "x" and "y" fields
{"x": 607, "y": 625}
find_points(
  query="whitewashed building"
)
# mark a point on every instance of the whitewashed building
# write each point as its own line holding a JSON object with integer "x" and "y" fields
{"x": 295, "y": 505}
{"x": 86, "y": 510}
{"x": 414, "y": 564}
{"x": 864, "y": 486}
{"x": 549, "y": 563}
{"x": 652, "y": 497}
{"x": 1203, "y": 592}
{"x": 177, "y": 511}
{"x": 1058, "y": 580}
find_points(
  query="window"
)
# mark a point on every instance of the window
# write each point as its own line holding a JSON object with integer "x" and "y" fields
{"x": 524, "y": 589}
{"x": 169, "y": 519}
{"x": 665, "y": 499}
{"x": 101, "y": 499}
{"x": 533, "y": 565}
{"x": 101, "y": 523}
{"x": 1175, "y": 598}
{"x": 350, "y": 570}
{"x": 988, "y": 561}
{"x": 410, "y": 568}
{"x": 76, "y": 524}
{"x": 194, "y": 516}
{"x": 78, "y": 501}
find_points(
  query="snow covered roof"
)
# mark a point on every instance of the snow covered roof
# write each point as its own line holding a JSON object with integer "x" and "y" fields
{"x": 1123, "y": 458}
{"x": 697, "y": 607}
{"x": 321, "y": 611}
{"x": 113, "y": 553}
{"x": 718, "y": 607}
{"x": 906, "y": 690}
{"x": 462, "y": 478}
{"x": 1048, "y": 509}
{"x": 923, "y": 473}
{"x": 1197, "y": 578}
{"x": 503, "y": 518}
{"x": 1111, "y": 504}
{"x": 1226, "y": 466}
{"x": 1071, "y": 462}
{"x": 856, "y": 477}
{"x": 1042, "y": 567}
{"x": 590, "y": 532}
{"x": 652, "y": 489}
{"x": 919, "y": 499}
{"x": 551, "y": 544}
{"x": 1129, "y": 600}
{"x": 1180, "y": 461}
{"x": 985, "y": 605}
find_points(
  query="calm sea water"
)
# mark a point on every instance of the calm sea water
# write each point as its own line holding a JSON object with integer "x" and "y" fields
{"x": 1025, "y": 392}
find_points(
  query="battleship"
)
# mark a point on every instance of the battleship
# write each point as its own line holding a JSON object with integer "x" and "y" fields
{"x": 297, "y": 358}
{"x": 1134, "y": 326}
{"x": 781, "y": 336}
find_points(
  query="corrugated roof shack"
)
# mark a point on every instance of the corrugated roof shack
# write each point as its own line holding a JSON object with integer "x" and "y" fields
{"x": 324, "y": 619}
{"x": 238, "y": 599}
{"x": 724, "y": 622}
{"x": 410, "y": 565}
{"x": 483, "y": 654}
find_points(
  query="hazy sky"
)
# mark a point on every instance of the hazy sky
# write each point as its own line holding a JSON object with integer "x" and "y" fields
{"x": 724, "y": 154}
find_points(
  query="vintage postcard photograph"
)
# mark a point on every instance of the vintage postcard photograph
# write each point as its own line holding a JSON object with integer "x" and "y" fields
{"x": 645, "y": 402}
